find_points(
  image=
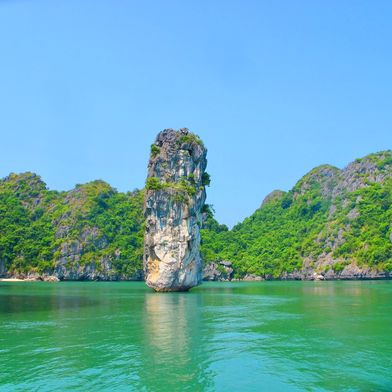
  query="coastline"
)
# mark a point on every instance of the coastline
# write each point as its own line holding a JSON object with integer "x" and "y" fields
{"x": 223, "y": 271}
{"x": 53, "y": 279}
{"x": 12, "y": 280}
{"x": 49, "y": 278}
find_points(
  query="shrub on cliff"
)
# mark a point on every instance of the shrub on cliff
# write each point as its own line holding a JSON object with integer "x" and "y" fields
{"x": 342, "y": 215}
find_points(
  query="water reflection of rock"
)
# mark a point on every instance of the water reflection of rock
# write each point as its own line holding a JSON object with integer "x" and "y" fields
{"x": 173, "y": 342}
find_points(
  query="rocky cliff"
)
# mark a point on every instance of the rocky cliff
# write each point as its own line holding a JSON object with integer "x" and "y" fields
{"x": 334, "y": 224}
{"x": 174, "y": 200}
{"x": 91, "y": 232}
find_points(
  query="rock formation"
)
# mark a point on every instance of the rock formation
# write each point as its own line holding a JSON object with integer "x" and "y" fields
{"x": 336, "y": 224}
{"x": 174, "y": 200}
{"x": 218, "y": 271}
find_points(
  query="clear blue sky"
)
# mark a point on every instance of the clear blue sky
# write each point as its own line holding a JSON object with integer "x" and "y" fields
{"x": 274, "y": 88}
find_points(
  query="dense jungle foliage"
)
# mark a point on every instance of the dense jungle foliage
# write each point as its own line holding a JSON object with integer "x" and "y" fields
{"x": 329, "y": 219}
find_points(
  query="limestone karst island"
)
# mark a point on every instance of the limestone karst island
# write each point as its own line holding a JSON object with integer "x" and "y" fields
{"x": 196, "y": 196}
{"x": 333, "y": 224}
{"x": 275, "y": 281}
{"x": 173, "y": 206}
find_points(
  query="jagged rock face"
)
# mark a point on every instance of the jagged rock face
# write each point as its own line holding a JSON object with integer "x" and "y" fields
{"x": 3, "y": 270}
{"x": 222, "y": 271}
{"x": 175, "y": 196}
{"x": 274, "y": 195}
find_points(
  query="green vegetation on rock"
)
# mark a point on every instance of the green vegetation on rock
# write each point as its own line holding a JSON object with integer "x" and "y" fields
{"x": 190, "y": 138}
{"x": 91, "y": 227}
{"x": 331, "y": 219}
{"x": 183, "y": 185}
{"x": 155, "y": 150}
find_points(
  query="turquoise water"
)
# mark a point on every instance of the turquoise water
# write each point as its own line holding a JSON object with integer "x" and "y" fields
{"x": 261, "y": 336}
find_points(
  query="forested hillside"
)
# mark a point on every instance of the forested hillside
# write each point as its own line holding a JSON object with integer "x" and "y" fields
{"x": 333, "y": 223}
{"x": 90, "y": 232}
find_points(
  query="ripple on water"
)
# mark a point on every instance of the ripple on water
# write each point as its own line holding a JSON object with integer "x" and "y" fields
{"x": 15, "y": 325}
{"x": 280, "y": 336}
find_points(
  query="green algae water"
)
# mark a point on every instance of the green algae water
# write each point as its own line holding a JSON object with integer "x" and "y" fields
{"x": 261, "y": 336}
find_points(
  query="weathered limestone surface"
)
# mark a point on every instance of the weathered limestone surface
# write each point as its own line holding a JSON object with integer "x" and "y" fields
{"x": 175, "y": 196}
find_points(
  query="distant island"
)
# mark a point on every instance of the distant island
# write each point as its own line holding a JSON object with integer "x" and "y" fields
{"x": 334, "y": 224}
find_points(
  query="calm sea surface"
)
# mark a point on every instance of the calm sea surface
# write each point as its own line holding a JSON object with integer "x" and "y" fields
{"x": 262, "y": 336}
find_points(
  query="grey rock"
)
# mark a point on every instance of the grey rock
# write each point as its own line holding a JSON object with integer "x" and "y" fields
{"x": 3, "y": 269}
{"x": 252, "y": 278}
{"x": 51, "y": 278}
{"x": 353, "y": 214}
{"x": 221, "y": 271}
{"x": 350, "y": 272}
{"x": 274, "y": 195}
{"x": 100, "y": 270}
{"x": 353, "y": 271}
{"x": 226, "y": 263}
{"x": 32, "y": 277}
{"x": 173, "y": 214}
{"x": 325, "y": 176}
